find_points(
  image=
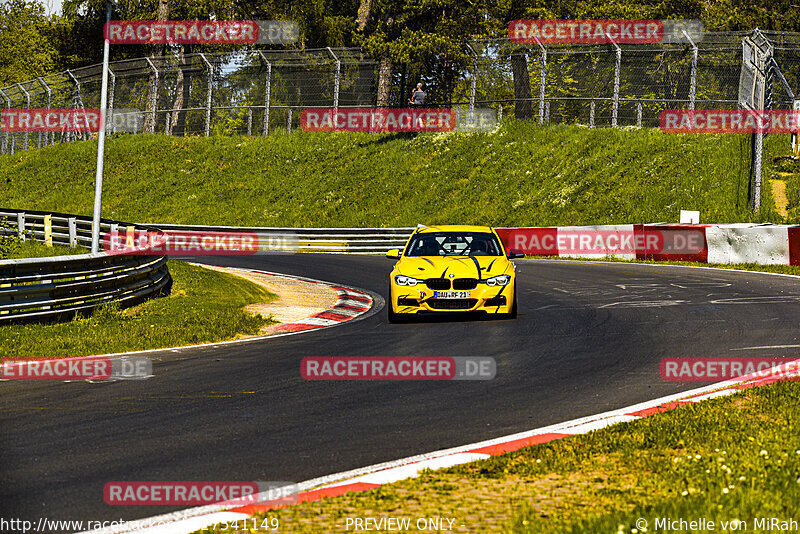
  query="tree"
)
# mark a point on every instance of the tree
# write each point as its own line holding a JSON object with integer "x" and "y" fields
{"x": 26, "y": 50}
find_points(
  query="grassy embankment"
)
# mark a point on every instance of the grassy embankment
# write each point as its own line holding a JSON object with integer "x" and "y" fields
{"x": 522, "y": 174}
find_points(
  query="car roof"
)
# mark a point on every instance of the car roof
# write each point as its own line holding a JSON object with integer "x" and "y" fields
{"x": 454, "y": 228}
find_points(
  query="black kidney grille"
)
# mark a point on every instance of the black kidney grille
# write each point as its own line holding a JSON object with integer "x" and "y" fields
{"x": 438, "y": 284}
{"x": 465, "y": 283}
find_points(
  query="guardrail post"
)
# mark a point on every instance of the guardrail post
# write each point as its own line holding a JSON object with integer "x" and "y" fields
{"x": 617, "y": 66}
{"x": 5, "y": 135}
{"x": 21, "y": 226}
{"x": 154, "y": 96}
{"x": 208, "y": 93}
{"x": 27, "y": 106}
{"x": 49, "y": 98}
{"x": 48, "y": 230}
{"x": 336, "y": 79}
{"x": 73, "y": 232}
{"x": 591, "y": 113}
{"x": 267, "y": 91}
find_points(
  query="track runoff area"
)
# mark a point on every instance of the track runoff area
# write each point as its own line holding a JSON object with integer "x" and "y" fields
{"x": 647, "y": 242}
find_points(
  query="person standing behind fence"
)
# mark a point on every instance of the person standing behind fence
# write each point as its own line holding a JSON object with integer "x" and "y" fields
{"x": 418, "y": 98}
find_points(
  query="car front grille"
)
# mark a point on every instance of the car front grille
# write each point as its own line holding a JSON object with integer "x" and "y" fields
{"x": 438, "y": 284}
{"x": 465, "y": 283}
{"x": 451, "y": 304}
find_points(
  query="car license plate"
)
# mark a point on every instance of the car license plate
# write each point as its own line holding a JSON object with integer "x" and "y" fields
{"x": 451, "y": 294}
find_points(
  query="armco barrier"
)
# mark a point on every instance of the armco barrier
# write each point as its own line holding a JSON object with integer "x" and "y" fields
{"x": 59, "y": 287}
{"x": 329, "y": 240}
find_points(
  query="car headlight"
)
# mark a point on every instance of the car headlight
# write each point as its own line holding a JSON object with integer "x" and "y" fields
{"x": 501, "y": 280}
{"x": 401, "y": 280}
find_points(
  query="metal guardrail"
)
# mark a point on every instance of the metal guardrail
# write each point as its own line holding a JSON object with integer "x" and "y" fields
{"x": 329, "y": 240}
{"x": 62, "y": 286}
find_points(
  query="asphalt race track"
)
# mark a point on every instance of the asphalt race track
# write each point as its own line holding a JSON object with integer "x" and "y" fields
{"x": 588, "y": 339}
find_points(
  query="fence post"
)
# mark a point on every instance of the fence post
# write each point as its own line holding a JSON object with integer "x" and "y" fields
{"x": 49, "y": 101}
{"x": 639, "y": 114}
{"x": 27, "y": 106}
{"x": 473, "y": 86}
{"x": 591, "y": 113}
{"x": 73, "y": 232}
{"x": 21, "y": 226}
{"x": 208, "y": 93}
{"x": 249, "y": 121}
{"x": 5, "y": 135}
{"x": 154, "y": 97}
{"x": 499, "y": 112}
{"x": 336, "y": 79}
{"x": 617, "y": 65}
{"x": 112, "y": 82}
{"x": 267, "y": 91}
{"x": 77, "y": 100}
{"x": 289, "y": 122}
{"x": 692, "y": 72}
{"x": 542, "y": 79}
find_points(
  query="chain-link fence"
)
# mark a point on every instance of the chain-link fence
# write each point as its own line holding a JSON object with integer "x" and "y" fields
{"x": 618, "y": 85}
{"x": 256, "y": 92}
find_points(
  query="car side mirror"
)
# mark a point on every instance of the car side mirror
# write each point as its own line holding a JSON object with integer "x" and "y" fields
{"x": 515, "y": 253}
{"x": 393, "y": 254}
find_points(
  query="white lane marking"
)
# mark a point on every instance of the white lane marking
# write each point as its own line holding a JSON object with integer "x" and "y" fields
{"x": 769, "y": 347}
{"x": 758, "y": 300}
{"x": 317, "y": 321}
{"x": 644, "y": 304}
{"x": 343, "y": 311}
{"x": 411, "y": 470}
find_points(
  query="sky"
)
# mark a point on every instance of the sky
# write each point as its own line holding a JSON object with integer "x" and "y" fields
{"x": 52, "y": 6}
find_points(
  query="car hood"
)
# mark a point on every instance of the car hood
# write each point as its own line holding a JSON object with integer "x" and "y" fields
{"x": 480, "y": 267}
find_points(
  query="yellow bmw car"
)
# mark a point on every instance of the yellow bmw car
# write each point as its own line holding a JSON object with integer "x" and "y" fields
{"x": 452, "y": 269}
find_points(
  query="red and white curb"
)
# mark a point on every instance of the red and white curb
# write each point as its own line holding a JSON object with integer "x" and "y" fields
{"x": 350, "y": 304}
{"x": 371, "y": 477}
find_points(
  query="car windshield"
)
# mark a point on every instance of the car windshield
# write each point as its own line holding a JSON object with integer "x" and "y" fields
{"x": 454, "y": 244}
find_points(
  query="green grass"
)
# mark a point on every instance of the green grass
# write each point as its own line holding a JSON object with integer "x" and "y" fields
{"x": 736, "y": 457}
{"x": 35, "y": 249}
{"x": 205, "y": 306}
{"x": 522, "y": 174}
